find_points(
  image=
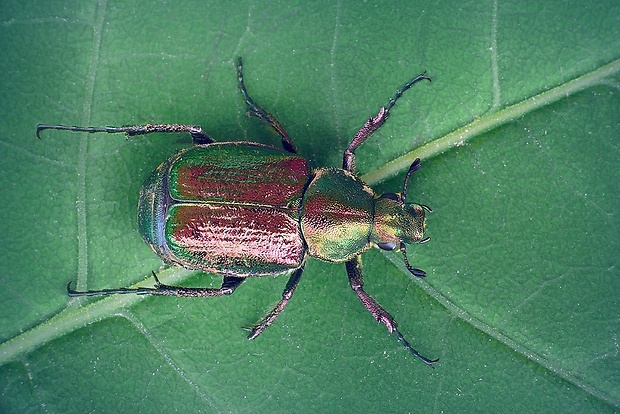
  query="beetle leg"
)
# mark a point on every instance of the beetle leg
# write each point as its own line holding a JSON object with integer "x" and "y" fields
{"x": 198, "y": 135}
{"x": 348, "y": 161}
{"x": 374, "y": 123}
{"x": 257, "y": 111}
{"x": 229, "y": 284}
{"x": 356, "y": 281}
{"x": 286, "y": 296}
{"x": 354, "y": 270}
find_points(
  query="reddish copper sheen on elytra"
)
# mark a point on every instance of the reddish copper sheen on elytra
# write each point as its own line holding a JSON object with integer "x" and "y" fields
{"x": 219, "y": 234}
{"x": 277, "y": 183}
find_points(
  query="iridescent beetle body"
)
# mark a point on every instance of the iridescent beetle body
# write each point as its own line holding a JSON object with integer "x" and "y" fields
{"x": 243, "y": 209}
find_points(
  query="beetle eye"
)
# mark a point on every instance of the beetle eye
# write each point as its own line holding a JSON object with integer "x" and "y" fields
{"x": 390, "y": 196}
{"x": 387, "y": 246}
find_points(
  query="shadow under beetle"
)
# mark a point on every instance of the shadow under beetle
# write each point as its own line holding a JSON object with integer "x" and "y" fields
{"x": 244, "y": 209}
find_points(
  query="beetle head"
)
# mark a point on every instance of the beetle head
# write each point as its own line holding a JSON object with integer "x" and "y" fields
{"x": 397, "y": 223}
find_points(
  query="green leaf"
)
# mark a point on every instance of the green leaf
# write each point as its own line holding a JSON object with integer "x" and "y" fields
{"x": 518, "y": 134}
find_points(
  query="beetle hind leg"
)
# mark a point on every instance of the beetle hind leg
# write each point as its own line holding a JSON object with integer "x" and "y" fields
{"x": 354, "y": 270}
{"x": 257, "y": 111}
{"x": 286, "y": 296}
{"x": 229, "y": 284}
{"x": 198, "y": 135}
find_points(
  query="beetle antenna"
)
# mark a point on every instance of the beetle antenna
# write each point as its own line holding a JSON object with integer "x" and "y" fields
{"x": 414, "y": 271}
{"x": 412, "y": 168}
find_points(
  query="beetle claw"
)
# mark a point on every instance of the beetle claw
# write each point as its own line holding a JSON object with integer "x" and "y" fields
{"x": 157, "y": 282}
{"x": 254, "y": 331}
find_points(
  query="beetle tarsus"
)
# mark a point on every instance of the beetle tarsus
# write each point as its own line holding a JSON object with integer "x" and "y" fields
{"x": 229, "y": 284}
{"x": 427, "y": 361}
{"x": 103, "y": 292}
{"x": 271, "y": 316}
{"x": 401, "y": 91}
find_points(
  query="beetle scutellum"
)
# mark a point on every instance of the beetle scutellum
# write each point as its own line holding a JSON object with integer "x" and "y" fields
{"x": 243, "y": 209}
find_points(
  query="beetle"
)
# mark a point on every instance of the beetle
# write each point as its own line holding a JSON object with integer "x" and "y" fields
{"x": 244, "y": 209}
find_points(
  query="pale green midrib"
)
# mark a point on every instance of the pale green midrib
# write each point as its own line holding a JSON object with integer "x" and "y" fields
{"x": 490, "y": 121}
{"x": 73, "y": 318}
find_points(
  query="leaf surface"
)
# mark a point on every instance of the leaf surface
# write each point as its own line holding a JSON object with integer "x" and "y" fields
{"x": 518, "y": 134}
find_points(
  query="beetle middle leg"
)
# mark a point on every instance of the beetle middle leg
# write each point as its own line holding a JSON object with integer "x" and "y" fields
{"x": 229, "y": 284}
{"x": 286, "y": 296}
{"x": 374, "y": 123}
{"x": 356, "y": 280}
{"x": 259, "y": 112}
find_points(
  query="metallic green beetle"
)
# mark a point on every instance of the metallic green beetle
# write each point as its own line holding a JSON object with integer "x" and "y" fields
{"x": 243, "y": 209}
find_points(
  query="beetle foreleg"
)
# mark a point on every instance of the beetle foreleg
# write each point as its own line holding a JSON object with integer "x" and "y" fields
{"x": 354, "y": 270}
{"x": 374, "y": 123}
{"x": 259, "y": 112}
{"x": 286, "y": 296}
{"x": 348, "y": 161}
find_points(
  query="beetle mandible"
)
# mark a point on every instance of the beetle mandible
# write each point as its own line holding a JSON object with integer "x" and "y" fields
{"x": 243, "y": 209}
